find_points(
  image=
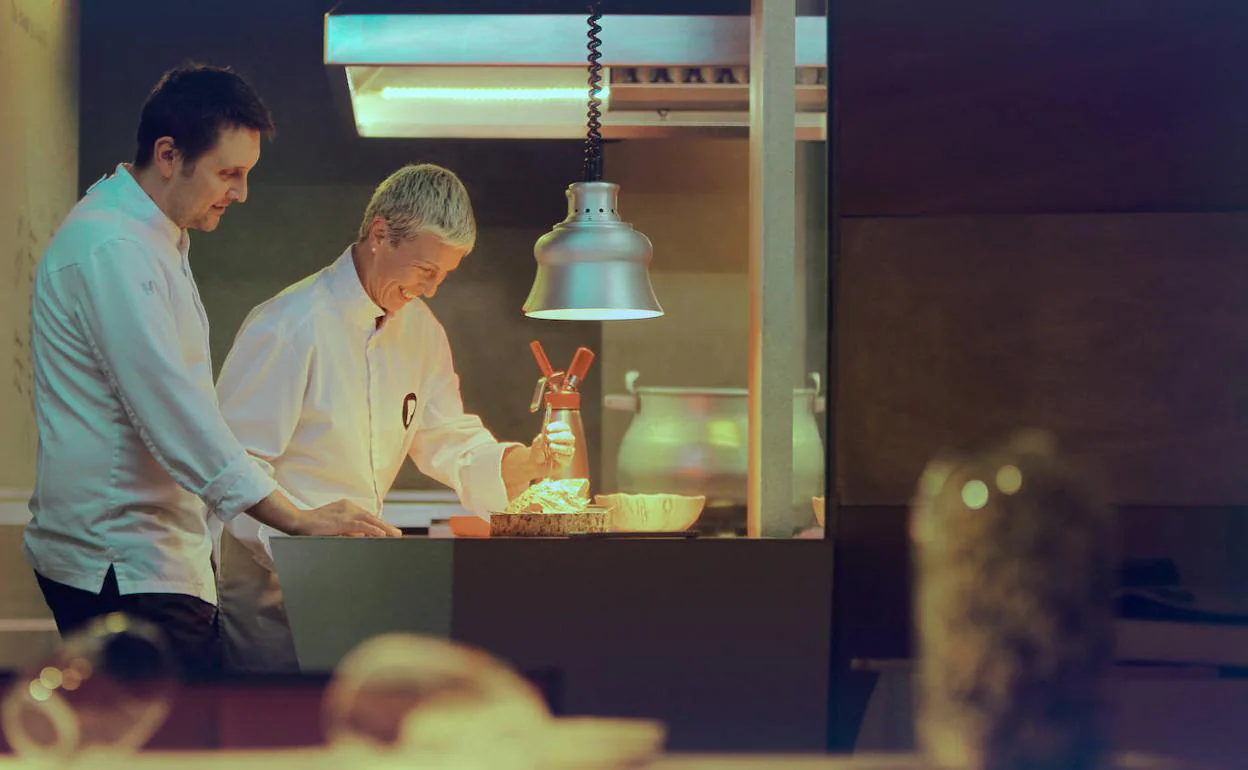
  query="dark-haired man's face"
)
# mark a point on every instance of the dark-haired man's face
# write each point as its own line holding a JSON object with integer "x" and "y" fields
{"x": 203, "y": 190}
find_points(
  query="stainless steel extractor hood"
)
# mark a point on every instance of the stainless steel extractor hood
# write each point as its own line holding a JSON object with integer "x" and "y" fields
{"x": 523, "y": 76}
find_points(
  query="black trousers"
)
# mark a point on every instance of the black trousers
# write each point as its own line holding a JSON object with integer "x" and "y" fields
{"x": 189, "y": 623}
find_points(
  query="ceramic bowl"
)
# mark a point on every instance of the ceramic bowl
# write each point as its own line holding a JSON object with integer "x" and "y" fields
{"x": 652, "y": 513}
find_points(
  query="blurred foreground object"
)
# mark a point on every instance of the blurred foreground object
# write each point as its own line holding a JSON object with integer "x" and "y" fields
{"x": 417, "y": 702}
{"x": 1015, "y": 555}
{"x": 106, "y": 690}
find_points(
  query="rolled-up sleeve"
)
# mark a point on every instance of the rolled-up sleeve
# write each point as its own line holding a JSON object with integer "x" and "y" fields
{"x": 123, "y": 302}
{"x": 453, "y": 447}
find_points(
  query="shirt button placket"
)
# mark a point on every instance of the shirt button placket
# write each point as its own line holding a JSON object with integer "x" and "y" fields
{"x": 374, "y": 416}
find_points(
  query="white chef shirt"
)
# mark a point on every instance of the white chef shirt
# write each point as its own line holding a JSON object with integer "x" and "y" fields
{"x": 130, "y": 436}
{"x": 334, "y": 404}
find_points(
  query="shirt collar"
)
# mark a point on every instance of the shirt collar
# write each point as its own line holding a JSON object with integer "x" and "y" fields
{"x": 345, "y": 286}
{"x": 133, "y": 200}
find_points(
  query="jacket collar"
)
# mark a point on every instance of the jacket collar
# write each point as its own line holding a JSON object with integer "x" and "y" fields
{"x": 122, "y": 192}
{"x": 345, "y": 286}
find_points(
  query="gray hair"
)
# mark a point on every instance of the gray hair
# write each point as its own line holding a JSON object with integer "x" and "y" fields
{"x": 423, "y": 199}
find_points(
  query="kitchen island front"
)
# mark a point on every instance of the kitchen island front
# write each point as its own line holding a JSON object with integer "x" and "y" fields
{"x": 725, "y": 640}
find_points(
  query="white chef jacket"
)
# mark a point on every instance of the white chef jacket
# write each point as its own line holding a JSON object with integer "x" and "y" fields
{"x": 334, "y": 404}
{"x": 130, "y": 436}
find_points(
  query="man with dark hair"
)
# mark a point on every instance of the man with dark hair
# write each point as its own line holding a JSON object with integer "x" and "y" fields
{"x": 192, "y": 105}
{"x": 130, "y": 435}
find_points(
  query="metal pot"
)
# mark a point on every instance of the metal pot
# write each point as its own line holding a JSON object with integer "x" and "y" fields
{"x": 695, "y": 441}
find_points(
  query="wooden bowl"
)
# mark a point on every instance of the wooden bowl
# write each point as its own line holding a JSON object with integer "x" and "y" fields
{"x": 652, "y": 513}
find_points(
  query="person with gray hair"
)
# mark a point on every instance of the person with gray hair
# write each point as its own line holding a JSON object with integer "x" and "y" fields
{"x": 335, "y": 382}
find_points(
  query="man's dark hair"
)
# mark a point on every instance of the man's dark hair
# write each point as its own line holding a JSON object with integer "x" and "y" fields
{"x": 192, "y": 104}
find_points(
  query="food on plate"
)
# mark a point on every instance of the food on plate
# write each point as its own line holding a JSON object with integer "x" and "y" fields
{"x": 552, "y": 496}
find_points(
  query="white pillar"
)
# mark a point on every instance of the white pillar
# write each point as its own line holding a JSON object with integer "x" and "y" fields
{"x": 773, "y": 352}
{"x": 38, "y": 185}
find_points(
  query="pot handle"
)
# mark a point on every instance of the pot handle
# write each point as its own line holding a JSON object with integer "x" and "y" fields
{"x": 625, "y": 403}
{"x": 820, "y": 402}
{"x": 620, "y": 402}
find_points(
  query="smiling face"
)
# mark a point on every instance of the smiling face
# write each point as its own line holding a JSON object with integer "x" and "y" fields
{"x": 395, "y": 274}
{"x": 196, "y": 194}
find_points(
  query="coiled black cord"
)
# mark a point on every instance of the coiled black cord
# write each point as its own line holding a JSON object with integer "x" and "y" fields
{"x": 593, "y": 137}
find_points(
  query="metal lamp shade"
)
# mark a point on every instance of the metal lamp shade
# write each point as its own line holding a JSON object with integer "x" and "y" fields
{"x": 592, "y": 266}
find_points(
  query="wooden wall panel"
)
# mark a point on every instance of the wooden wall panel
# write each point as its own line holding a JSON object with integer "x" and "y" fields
{"x": 1019, "y": 106}
{"x": 1127, "y": 335}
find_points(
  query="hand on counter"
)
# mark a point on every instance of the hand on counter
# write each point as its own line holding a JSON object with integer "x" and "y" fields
{"x": 344, "y": 517}
{"x": 337, "y": 518}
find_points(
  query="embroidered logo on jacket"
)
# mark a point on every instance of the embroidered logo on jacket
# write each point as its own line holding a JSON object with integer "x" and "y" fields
{"x": 409, "y": 410}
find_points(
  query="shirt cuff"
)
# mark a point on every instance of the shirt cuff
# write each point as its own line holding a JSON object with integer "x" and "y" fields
{"x": 241, "y": 485}
{"x": 255, "y": 537}
{"x": 483, "y": 489}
